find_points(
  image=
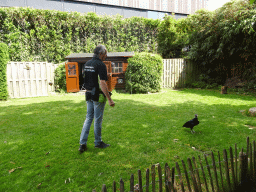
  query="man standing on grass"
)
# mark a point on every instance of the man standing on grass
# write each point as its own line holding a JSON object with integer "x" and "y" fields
{"x": 95, "y": 75}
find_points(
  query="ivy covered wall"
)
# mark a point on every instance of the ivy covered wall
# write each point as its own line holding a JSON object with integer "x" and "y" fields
{"x": 48, "y": 35}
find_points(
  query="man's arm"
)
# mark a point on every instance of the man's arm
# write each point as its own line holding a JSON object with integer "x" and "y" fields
{"x": 104, "y": 88}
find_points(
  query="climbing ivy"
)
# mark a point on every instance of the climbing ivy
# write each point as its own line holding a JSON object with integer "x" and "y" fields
{"x": 49, "y": 35}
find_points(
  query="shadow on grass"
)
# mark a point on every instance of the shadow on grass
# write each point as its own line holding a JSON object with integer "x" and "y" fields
{"x": 217, "y": 94}
{"x": 141, "y": 133}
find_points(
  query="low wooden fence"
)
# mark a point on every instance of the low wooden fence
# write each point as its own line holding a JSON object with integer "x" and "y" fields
{"x": 215, "y": 173}
{"x": 176, "y": 72}
{"x": 30, "y": 79}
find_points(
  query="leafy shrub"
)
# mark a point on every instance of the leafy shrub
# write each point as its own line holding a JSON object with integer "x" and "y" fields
{"x": 166, "y": 37}
{"x": 144, "y": 73}
{"x": 205, "y": 82}
{"x": 60, "y": 78}
{"x": 250, "y": 75}
{"x": 4, "y": 57}
{"x": 50, "y": 35}
{"x": 171, "y": 37}
{"x": 223, "y": 39}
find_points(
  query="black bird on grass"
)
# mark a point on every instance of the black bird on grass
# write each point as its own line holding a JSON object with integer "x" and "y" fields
{"x": 190, "y": 124}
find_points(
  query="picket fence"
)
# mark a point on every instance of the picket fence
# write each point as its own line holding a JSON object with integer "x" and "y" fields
{"x": 234, "y": 174}
{"x": 30, "y": 79}
{"x": 176, "y": 72}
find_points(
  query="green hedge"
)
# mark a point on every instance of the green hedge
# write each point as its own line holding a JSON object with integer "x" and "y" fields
{"x": 60, "y": 78}
{"x": 4, "y": 57}
{"x": 217, "y": 40}
{"x": 144, "y": 73}
{"x": 49, "y": 35}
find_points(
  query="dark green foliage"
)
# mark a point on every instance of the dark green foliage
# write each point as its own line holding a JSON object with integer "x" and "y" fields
{"x": 144, "y": 73}
{"x": 4, "y": 57}
{"x": 60, "y": 78}
{"x": 166, "y": 37}
{"x": 171, "y": 38}
{"x": 223, "y": 42}
{"x": 49, "y": 35}
{"x": 250, "y": 75}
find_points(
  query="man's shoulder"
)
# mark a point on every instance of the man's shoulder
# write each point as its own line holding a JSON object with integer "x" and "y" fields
{"x": 88, "y": 63}
{"x": 99, "y": 64}
{"x": 94, "y": 61}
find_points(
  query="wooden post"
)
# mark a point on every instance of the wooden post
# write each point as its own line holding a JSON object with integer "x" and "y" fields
{"x": 254, "y": 162}
{"x": 197, "y": 174}
{"x": 121, "y": 185}
{"x": 167, "y": 176}
{"x": 221, "y": 178}
{"x": 173, "y": 179}
{"x": 180, "y": 176}
{"x": 243, "y": 158}
{"x": 104, "y": 188}
{"x": 232, "y": 167}
{"x": 209, "y": 171}
{"x": 248, "y": 145}
{"x": 160, "y": 178}
{"x": 224, "y": 90}
{"x": 140, "y": 180}
{"x": 215, "y": 172}
{"x": 227, "y": 168}
{"x": 251, "y": 166}
{"x": 236, "y": 162}
{"x": 169, "y": 182}
{"x": 202, "y": 168}
{"x": 132, "y": 183}
{"x": 186, "y": 174}
{"x": 114, "y": 186}
{"x": 153, "y": 173}
{"x": 147, "y": 180}
{"x": 192, "y": 175}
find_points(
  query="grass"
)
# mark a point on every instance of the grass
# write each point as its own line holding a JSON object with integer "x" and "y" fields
{"x": 39, "y": 137}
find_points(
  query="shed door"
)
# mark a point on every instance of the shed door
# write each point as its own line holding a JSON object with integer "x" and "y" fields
{"x": 72, "y": 76}
{"x": 109, "y": 70}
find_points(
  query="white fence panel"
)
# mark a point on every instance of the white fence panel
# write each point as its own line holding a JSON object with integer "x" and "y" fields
{"x": 174, "y": 73}
{"x": 30, "y": 79}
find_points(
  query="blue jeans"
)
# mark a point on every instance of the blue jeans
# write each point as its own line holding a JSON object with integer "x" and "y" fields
{"x": 94, "y": 110}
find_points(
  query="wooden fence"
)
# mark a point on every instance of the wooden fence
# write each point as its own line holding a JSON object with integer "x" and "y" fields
{"x": 215, "y": 173}
{"x": 30, "y": 79}
{"x": 176, "y": 72}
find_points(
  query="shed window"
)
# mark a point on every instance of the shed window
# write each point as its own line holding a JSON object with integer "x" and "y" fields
{"x": 117, "y": 67}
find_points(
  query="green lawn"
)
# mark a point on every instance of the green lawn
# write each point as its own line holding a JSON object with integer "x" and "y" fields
{"x": 39, "y": 137}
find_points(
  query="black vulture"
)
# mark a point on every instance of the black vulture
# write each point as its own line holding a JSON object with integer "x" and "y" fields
{"x": 190, "y": 124}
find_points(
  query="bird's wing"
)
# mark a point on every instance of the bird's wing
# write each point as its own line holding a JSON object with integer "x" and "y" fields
{"x": 189, "y": 124}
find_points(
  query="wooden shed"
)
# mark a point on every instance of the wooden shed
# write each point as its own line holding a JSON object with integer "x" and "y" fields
{"x": 116, "y": 63}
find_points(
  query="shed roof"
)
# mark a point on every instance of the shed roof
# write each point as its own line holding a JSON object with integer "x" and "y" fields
{"x": 110, "y": 54}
